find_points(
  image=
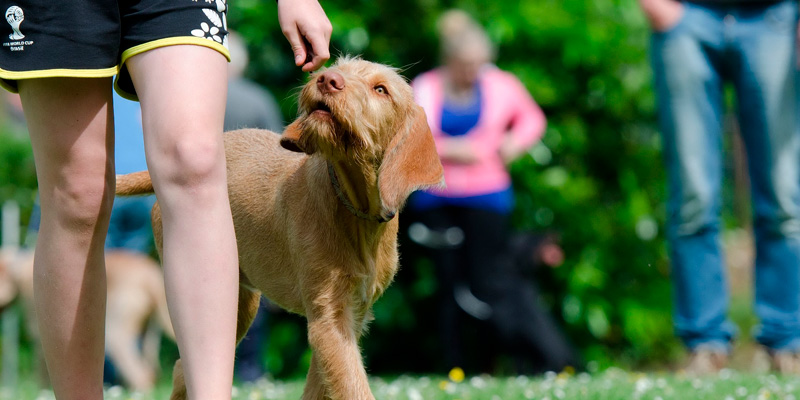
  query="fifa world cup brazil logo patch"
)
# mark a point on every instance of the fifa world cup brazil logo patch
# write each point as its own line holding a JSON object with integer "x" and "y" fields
{"x": 15, "y": 16}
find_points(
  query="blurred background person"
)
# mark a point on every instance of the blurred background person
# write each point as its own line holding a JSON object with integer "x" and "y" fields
{"x": 249, "y": 105}
{"x": 482, "y": 119}
{"x": 697, "y": 48}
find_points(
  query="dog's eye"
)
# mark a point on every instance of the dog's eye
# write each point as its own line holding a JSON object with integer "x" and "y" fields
{"x": 381, "y": 89}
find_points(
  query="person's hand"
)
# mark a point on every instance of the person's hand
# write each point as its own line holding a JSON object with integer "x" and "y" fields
{"x": 662, "y": 14}
{"x": 509, "y": 151}
{"x": 551, "y": 255}
{"x": 308, "y": 30}
{"x": 459, "y": 151}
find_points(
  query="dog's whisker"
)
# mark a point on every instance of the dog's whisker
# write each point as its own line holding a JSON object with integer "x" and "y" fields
{"x": 402, "y": 70}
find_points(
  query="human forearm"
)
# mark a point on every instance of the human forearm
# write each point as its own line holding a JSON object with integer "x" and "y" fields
{"x": 456, "y": 150}
{"x": 662, "y": 14}
{"x": 308, "y": 30}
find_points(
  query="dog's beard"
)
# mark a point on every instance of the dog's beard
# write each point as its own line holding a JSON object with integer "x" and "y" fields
{"x": 319, "y": 119}
{"x": 321, "y": 125}
{"x": 325, "y": 135}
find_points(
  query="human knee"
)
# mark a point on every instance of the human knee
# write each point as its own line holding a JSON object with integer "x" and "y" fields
{"x": 781, "y": 224}
{"x": 683, "y": 65}
{"x": 778, "y": 214}
{"x": 80, "y": 203}
{"x": 193, "y": 163}
{"x": 695, "y": 214}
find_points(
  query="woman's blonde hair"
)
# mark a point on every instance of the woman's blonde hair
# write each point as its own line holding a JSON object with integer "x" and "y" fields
{"x": 459, "y": 33}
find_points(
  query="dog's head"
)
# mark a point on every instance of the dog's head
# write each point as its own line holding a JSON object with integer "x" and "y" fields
{"x": 363, "y": 112}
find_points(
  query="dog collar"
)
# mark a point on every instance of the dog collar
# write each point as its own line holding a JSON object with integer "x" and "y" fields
{"x": 347, "y": 203}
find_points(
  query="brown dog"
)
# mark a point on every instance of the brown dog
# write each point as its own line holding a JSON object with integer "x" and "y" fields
{"x": 135, "y": 296}
{"x": 317, "y": 232}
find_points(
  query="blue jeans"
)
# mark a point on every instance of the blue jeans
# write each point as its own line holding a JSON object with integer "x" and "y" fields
{"x": 752, "y": 48}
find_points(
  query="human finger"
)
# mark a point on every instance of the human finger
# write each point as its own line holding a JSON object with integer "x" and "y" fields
{"x": 317, "y": 45}
{"x": 296, "y": 42}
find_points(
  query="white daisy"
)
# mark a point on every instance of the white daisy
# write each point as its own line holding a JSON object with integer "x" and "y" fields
{"x": 208, "y": 32}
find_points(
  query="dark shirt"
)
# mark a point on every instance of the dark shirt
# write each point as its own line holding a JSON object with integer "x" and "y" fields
{"x": 251, "y": 106}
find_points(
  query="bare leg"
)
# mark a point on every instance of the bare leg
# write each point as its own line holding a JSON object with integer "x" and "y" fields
{"x": 71, "y": 129}
{"x": 248, "y": 308}
{"x": 182, "y": 90}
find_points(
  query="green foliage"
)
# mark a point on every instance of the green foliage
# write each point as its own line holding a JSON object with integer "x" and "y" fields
{"x": 603, "y": 187}
{"x": 17, "y": 172}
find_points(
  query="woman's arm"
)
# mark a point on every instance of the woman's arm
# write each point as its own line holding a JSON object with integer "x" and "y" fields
{"x": 527, "y": 125}
{"x": 308, "y": 30}
{"x": 456, "y": 150}
{"x": 662, "y": 14}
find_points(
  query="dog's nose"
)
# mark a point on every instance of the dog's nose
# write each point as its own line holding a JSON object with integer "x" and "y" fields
{"x": 330, "y": 81}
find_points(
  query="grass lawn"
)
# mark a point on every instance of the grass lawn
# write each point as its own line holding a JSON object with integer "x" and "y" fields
{"x": 611, "y": 384}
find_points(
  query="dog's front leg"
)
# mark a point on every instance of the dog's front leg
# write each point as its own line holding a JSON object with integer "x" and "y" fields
{"x": 336, "y": 363}
{"x": 315, "y": 383}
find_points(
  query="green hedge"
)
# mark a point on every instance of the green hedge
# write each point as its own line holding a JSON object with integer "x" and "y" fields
{"x": 17, "y": 172}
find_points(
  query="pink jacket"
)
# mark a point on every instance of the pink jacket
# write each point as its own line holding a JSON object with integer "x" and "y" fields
{"x": 507, "y": 109}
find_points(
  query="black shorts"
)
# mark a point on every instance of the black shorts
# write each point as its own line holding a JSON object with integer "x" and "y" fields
{"x": 94, "y": 38}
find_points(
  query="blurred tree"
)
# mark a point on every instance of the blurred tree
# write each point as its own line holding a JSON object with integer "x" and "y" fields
{"x": 17, "y": 172}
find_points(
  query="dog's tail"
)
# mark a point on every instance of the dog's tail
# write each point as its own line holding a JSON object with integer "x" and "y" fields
{"x": 137, "y": 183}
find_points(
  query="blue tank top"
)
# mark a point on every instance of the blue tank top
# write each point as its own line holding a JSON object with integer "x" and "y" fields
{"x": 458, "y": 119}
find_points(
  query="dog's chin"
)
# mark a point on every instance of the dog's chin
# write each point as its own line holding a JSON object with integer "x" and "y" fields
{"x": 321, "y": 122}
{"x": 319, "y": 127}
{"x": 323, "y": 115}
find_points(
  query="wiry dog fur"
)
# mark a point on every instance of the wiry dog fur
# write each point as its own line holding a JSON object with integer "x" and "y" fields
{"x": 301, "y": 243}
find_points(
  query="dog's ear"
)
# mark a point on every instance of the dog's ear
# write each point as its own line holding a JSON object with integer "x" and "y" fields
{"x": 410, "y": 163}
{"x": 290, "y": 140}
{"x": 294, "y": 140}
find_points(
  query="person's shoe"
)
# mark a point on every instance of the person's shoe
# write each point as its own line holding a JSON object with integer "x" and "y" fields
{"x": 785, "y": 362}
{"x": 704, "y": 362}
